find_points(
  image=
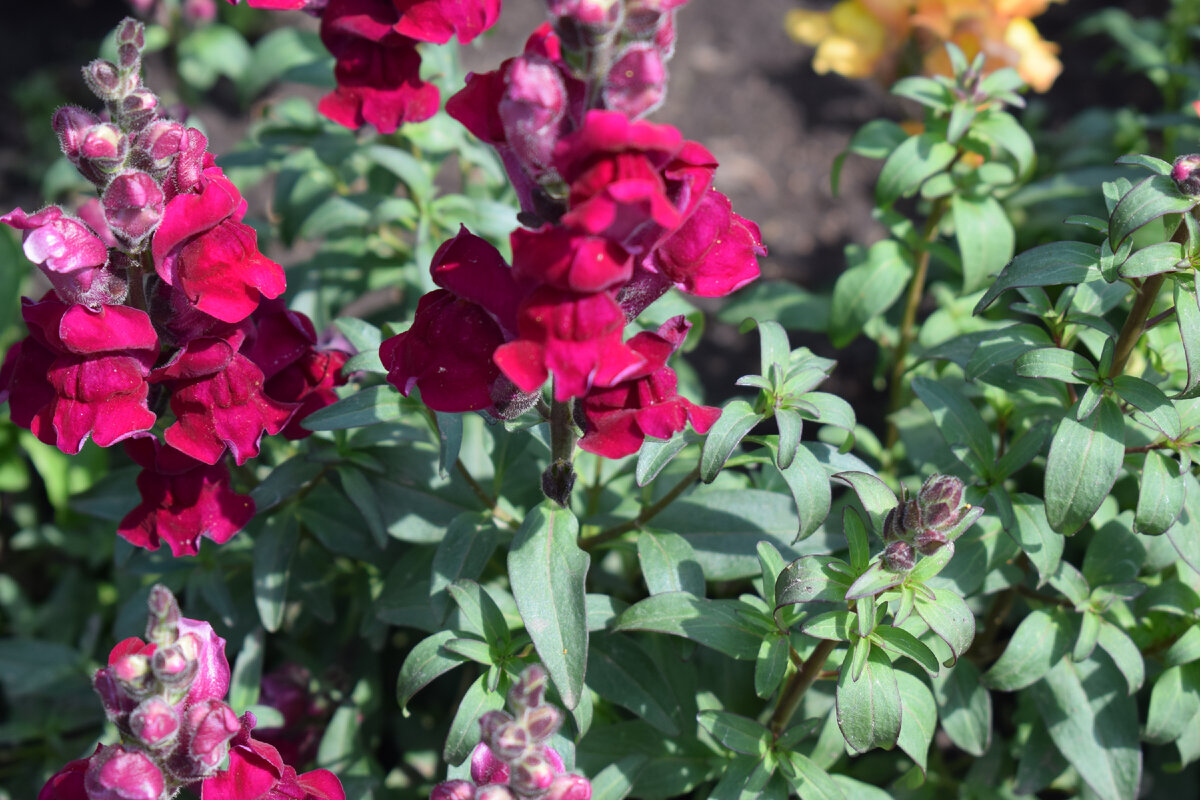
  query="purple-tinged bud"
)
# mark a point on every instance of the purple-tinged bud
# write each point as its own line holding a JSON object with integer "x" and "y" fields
{"x": 586, "y": 24}
{"x": 910, "y": 519}
{"x": 637, "y": 82}
{"x": 117, "y": 702}
{"x": 104, "y": 79}
{"x": 494, "y": 792}
{"x": 941, "y": 489}
{"x": 173, "y": 668}
{"x": 891, "y": 526}
{"x": 532, "y": 110}
{"x": 131, "y": 32}
{"x": 72, "y": 124}
{"x": 532, "y": 775}
{"x": 105, "y": 147}
{"x": 510, "y": 742}
{"x": 1186, "y": 174}
{"x": 162, "y": 623}
{"x": 139, "y": 109}
{"x": 208, "y": 727}
{"x": 552, "y": 756}
{"x": 530, "y": 688}
{"x": 189, "y": 165}
{"x": 453, "y": 790}
{"x": 486, "y": 768}
{"x": 200, "y": 10}
{"x": 133, "y": 207}
{"x": 645, "y": 18}
{"x": 159, "y": 143}
{"x": 201, "y": 644}
{"x": 542, "y": 722}
{"x": 491, "y": 722}
{"x": 128, "y": 57}
{"x": 939, "y": 515}
{"x": 155, "y": 723}
{"x": 569, "y": 787}
{"x": 899, "y": 557}
{"x": 930, "y": 541}
{"x": 115, "y": 773}
{"x": 134, "y": 674}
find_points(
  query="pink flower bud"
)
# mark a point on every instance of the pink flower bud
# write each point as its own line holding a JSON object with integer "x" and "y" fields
{"x": 154, "y": 722}
{"x": 67, "y": 783}
{"x": 930, "y": 541}
{"x": 941, "y": 489}
{"x": 532, "y": 774}
{"x": 162, "y": 625}
{"x": 637, "y": 82}
{"x": 530, "y": 688}
{"x": 133, "y": 672}
{"x": 1186, "y": 174}
{"x": 173, "y": 668}
{"x": 486, "y": 767}
{"x": 158, "y": 144}
{"x": 542, "y": 721}
{"x": 116, "y": 773}
{"x": 129, "y": 57}
{"x": 551, "y": 755}
{"x": 588, "y": 12}
{"x": 491, "y": 722}
{"x": 494, "y": 792}
{"x": 103, "y": 78}
{"x": 510, "y": 742}
{"x": 133, "y": 205}
{"x": 201, "y": 643}
{"x": 190, "y": 163}
{"x": 569, "y": 787}
{"x": 72, "y": 123}
{"x": 532, "y": 110}
{"x": 453, "y": 790}
{"x": 104, "y": 147}
{"x": 644, "y": 18}
{"x": 208, "y": 727}
{"x": 131, "y": 32}
{"x": 199, "y": 10}
{"x": 899, "y": 557}
{"x": 139, "y": 108}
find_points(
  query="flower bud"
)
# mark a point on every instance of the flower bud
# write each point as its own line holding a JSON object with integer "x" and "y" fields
{"x": 173, "y": 668}
{"x": 200, "y": 10}
{"x": 155, "y": 723}
{"x": 162, "y": 624}
{"x": 159, "y": 143}
{"x": 945, "y": 489}
{"x": 637, "y": 82}
{"x": 131, "y": 32}
{"x": 542, "y": 721}
{"x": 129, "y": 57}
{"x": 569, "y": 787}
{"x": 201, "y": 644}
{"x": 644, "y": 18}
{"x": 138, "y": 109}
{"x": 133, "y": 207}
{"x": 104, "y": 147}
{"x": 586, "y": 24}
{"x": 899, "y": 557}
{"x": 532, "y": 109}
{"x": 1186, "y": 174}
{"x": 551, "y": 755}
{"x": 494, "y": 792}
{"x": 208, "y": 728}
{"x": 510, "y": 742}
{"x": 72, "y": 124}
{"x": 189, "y": 165}
{"x": 491, "y": 722}
{"x": 117, "y": 702}
{"x": 453, "y": 790}
{"x": 134, "y": 674}
{"x": 532, "y": 774}
{"x": 930, "y": 541}
{"x": 891, "y": 526}
{"x": 115, "y": 773}
{"x": 486, "y": 767}
{"x": 530, "y": 688}
{"x": 104, "y": 79}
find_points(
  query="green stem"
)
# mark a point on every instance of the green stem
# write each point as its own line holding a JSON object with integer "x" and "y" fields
{"x": 648, "y": 513}
{"x": 1135, "y": 323}
{"x": 797, "y": 685}
{"x": 916, "y": 291}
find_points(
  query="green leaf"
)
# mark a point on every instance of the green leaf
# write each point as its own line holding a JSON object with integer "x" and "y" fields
{"x": 621, "y": 672}
{"x": 273, "y": 552}
{"x": 712, "y": 623}
{"x": 1035, "y": 647}
{"x": 1056, "y": 364}
{"x": 1048, "y": 265}
{"x": 771, "y": 665}
{"x": 368, "y": 407}
{"x": 910, "y": 164}
{"x": 985, "y": 239}
{"x": 791, "y": 428}
{"x": 813, "y": 579}
{"x": 738, "y": 733}
{"x": 481, "y": 614}
{"x": 472, "y": 649}
{"x": 212, "y": 51}
{"x": 416, "y": 173}
{"x": 1184, "y": 650}
{"x": 1160, "y": 495}
{"x": 669, "y": 563}
{"x": 949, "y": 618}
{"x": 868, "y": 709}
{"x": 656, "y": 454}
{"x": 1035, "y": 537}
{"x": 1149, "y": 199}
{"x": 919, "y": 720}
{"x": 874, "y": 581}
{"x": 809, "y": 780}
{"x": 809, "y": 485}
{"x": 926, "y": 91}
{"x": 835, "y": 626}
{"x": 965, "y": 707}
{"x": 450, "y": 434}
{"x": 464, "y": 728}
{"x": 462, "y": 554}
{"x": 1093, "y": 724}
{"x": 737, "y": 418}
{"x": 1084, "y": 461}
{"x": 425, "y": 662}
{"x": 876, "y": 498}
{"x": 1152, "y": 260}
{"x": 898, "y": 640}
{"x": 1124, "y": 653}
{"x": 959, "y": 423}
{"x": 869, "y": 289}
{"x": 1003, "y": 130}
{"x": 1149, "y": 399}
{"x": 1174, "y": 702}
{"x": 246, "y": 678}
{"x": 616, "y": 780}
{"x": 1155, "y": 165}
{"x": 547, "y": 572}
{"x": 1187, "y": 316}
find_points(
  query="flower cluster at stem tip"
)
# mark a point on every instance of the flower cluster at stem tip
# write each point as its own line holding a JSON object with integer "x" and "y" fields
{"x": 166, "y": 696}
{"x": 160, "y": 299}
{"x": 616, "y": 210}
{"x": 923, "y": 525}
{"x": 513, "y": 761}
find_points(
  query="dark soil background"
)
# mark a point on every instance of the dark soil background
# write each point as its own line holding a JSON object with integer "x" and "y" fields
{"x": 738, "y": 85}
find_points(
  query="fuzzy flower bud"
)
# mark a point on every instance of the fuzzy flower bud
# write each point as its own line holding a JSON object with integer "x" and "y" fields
{"x": 159, "y": 143}
{"x": 532, "y": 109}
{"x": 491, "y": 722}
{"x": 532, "y": 775}
{"x": 134, "y": 674}
{"x": 208, "y": 727}
{"x": 542, "y": 721}
{"x": 486, "y": 767}
{"x": 131, "y": 32}
{"x": 1186, "y": 174}
{"x": 494, "y": 792}
{"x": 162, "y": 624}
{"x": 104, "y": 147}
{"x": 453, "y": 790}
{"x": 115, "y": 773}
{"x": 139, "y": 108}
{"x": 530, "y": 688}
{"x": 945, "y": 489}
{"x": 510, "y": 742}
{"x": 129, "y": 57}
{"x": 569, "y": 787}
{"x": 899, "y": 557}
{"x": 586, "y": 24}
{"x": 133, "y": 206}
{"x": 72, "y": 124}
{"x": 173, "y": 668}
{"x": 104, "y": 79}
{"x": 637, "y": 82}
{"x": 930, "y": 541}
{"x": 155, "y": 723}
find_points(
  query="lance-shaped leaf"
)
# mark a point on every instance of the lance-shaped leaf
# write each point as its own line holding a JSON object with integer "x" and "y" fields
{"x": 877, "y": 499}
{"x": 919, "y": 720}
{"x": 875, "y": 580}
{"x": 808, "y": 779}
{"x": 984, "y": 236}
{"x": 461, "y": 555}
{"x": 910, "y": 164}
{"x": 1187, "y": 316}
{"x": 949, "y": 618}
{"x": 368, "y": 407}
{"x": 1174, "y": 702}
{"x": 712, "y": 623}
{"x": 622, "y": 673}
{"x": 868, "y": 289}
{"x": 1056, "y": 364}
{"x": 868, "y": 709}
{"x": 1160, "y": 495}
{"x": 1124, "y": 653}
{"x": 669, "y": 563}
{"x": 1149, "y": 399}
{"x": 1152, "y": 260}
{"x": 813, "y": 579}
{"x": 464, "y": 728}
{"x": 1093, "y": 724}
{"x": 1039, "y": 642}
{"x": 274, "y": 549}
{"x": 809, "y": 485}
{"x": 1085, "y": 459}
{"x": 898, "y": 640}
{"x": 737, "y": 418}
{"x": 1049, "y": 265}
{"x": 656, "y": 454}
{"x": 965, "y": 707}
{"x": 1041, "y": 544}
{"x": 740, "y": 734}
{"x": 1149, "y": 199}
{"x": 547, "y": 572}
{"x": 959, "y": 424}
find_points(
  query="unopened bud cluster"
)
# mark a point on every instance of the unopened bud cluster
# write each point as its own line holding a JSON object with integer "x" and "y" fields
{"x": 513, "y": 761}
{"x": 921, "y": 525}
